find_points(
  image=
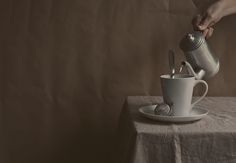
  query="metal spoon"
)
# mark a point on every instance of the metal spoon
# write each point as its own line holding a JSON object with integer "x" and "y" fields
{"x": 172, "y": 63}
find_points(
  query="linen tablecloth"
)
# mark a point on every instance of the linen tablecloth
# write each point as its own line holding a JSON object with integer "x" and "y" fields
{"x": 210, "y": 140}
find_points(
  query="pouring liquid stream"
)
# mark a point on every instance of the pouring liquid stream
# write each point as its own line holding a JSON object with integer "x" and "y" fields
{"x": 181, "y": 68}
{"x": 172, "y": 75}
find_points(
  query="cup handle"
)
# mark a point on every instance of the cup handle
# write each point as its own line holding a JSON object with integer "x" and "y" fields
{"x": 206, "y": 90}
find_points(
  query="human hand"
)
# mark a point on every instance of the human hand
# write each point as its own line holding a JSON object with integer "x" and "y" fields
{"x": 204, "y": 22}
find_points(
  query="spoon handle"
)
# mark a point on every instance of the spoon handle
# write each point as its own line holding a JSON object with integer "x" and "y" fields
{"x": 172, "y": 62}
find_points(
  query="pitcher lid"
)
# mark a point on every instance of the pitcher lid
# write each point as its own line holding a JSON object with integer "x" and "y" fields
{"x": 192, "y": 41}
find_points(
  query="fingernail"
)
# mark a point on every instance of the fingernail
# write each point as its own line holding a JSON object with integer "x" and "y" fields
{"x": 201, "y": 27}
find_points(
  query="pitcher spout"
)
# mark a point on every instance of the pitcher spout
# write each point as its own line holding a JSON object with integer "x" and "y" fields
{"x": 198, "y": 75}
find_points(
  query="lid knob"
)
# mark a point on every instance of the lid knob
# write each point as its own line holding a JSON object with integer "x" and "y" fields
{"x": 191, "y": 37}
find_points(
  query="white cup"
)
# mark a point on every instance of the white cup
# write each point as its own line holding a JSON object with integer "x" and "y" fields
{"x": 178, "y": 91}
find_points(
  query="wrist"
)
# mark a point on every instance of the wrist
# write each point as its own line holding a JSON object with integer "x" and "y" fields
{"x": 228, "y": 7}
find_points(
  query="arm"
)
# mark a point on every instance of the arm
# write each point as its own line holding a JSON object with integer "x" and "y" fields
{"x": 212, "y": 15}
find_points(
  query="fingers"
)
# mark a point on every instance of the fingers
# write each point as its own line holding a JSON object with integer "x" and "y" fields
{"x": 206, "y": 22}
{"x": 207, "y": 33}
{"x": 201, "y": 23}
{"x": 196, "y": 22}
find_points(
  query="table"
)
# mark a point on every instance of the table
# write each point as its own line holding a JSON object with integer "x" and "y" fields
{"x": 210, "y": 140}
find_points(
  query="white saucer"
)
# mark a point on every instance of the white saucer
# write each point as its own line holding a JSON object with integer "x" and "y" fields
{"x": 197, "y": 113}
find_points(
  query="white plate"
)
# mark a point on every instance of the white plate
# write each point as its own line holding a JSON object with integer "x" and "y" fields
{"x": 197, "y": 113}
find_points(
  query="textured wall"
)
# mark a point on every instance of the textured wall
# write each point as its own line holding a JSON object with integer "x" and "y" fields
{"x": 67, "y": 66}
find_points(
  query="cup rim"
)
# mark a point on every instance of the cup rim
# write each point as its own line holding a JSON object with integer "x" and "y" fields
{"x": 177, "y": 76}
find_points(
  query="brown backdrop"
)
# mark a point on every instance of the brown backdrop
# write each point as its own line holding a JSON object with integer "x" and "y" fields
{"x": 67, "y": 65}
